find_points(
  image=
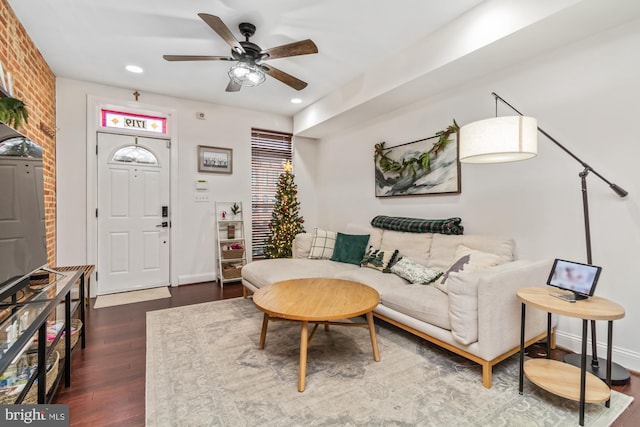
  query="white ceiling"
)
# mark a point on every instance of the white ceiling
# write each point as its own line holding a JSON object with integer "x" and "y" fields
{"x": 95, "y": 40}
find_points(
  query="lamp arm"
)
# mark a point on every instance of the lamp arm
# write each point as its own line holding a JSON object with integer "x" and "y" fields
{"x": 616, "y": 188}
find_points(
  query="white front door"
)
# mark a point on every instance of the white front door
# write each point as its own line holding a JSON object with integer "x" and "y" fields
{"x": 133, "y": 213}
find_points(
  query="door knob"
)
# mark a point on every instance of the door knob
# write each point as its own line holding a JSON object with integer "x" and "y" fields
{"x": 164, "y": 224}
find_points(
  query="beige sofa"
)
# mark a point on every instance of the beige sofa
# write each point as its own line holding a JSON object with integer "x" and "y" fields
{"x": 479, "y": 317}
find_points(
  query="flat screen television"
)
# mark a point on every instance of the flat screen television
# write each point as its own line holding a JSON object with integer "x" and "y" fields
{"x": 22, "y": 225}
{"x": 580, "y": 279}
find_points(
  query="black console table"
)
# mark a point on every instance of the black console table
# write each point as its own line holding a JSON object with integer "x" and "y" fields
{"x": 27, "y": 309}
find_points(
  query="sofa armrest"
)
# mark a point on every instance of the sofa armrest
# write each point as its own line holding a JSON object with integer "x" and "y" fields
{"x": 302, "y": 245}
{"x": 484, "y": 308}
{"x": 499, "y": 310}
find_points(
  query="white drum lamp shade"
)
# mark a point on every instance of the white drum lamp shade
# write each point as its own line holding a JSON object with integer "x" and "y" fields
{"x": 499, "y": 140}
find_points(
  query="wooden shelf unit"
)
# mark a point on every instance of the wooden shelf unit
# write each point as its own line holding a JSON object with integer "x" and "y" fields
{"x": 230, "y": 230}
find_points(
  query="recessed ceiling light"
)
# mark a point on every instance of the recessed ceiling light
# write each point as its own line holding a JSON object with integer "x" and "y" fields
{"x": 134, "y": 69}
{"x": 296, "y": 100}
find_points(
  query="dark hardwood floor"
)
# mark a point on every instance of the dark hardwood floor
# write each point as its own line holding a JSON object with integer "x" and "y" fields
{"x": 108, "y": 376}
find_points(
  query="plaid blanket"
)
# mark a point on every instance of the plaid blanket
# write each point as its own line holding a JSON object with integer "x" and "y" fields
{"x": 417, "y": 225}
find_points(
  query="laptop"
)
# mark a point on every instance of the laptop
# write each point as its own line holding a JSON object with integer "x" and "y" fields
{"x": 577, "y": 278}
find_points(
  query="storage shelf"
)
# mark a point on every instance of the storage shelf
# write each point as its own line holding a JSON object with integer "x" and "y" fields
{"x": 563, "y": 380}
{"x": 223, "y": 228}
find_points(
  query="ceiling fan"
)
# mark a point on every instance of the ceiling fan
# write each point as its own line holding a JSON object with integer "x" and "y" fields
{"x": 249, "y": 70}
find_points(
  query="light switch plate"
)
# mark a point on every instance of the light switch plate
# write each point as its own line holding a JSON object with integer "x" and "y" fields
{"x": 201, "y": 197}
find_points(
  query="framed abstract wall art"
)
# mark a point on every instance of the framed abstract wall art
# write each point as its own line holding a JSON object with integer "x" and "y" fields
{"x": 427, "y": 166}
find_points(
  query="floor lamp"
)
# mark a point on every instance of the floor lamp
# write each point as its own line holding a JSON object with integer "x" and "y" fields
{"x": 507, "y": 139}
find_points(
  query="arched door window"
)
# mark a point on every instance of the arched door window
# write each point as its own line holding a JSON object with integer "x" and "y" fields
{"x": 20, "y": 146}
{"x": 134, "y": 154}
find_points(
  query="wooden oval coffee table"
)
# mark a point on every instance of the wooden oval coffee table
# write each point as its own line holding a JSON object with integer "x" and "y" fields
{"x": 317, "y": 301}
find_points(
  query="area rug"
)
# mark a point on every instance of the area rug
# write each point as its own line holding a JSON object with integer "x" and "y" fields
{"x": 204, "y": 368}
{"x": 131, "y": 297}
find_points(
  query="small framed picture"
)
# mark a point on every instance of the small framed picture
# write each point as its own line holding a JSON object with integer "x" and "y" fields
{"x": 215, "y": 159}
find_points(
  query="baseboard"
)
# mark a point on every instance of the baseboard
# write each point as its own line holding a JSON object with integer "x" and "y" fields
{"x": 196, "y": 278}
{"x": 627, "y": 358}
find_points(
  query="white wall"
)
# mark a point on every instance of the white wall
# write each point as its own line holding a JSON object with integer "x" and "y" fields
{"x": 305, "y": 169}
{"x": 194, "y": 232}
{"x": 585, "y": 95}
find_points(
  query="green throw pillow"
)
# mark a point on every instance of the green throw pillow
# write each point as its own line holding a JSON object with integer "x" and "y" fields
{"x": 350, "y": 248}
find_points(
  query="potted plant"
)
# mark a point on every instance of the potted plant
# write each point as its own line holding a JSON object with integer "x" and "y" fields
{"x": 235, "y": 210}
{"x": 13, "y": 112}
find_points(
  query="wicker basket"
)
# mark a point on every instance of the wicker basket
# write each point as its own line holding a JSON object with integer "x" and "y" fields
{"x": 231, "y": 272}
{"x": 232, "y": 253}
{"x": 6, "y": 398}
{"x": 77, "y": 325}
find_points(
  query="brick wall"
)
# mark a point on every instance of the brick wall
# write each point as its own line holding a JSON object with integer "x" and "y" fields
{"x": 34, "y": 84}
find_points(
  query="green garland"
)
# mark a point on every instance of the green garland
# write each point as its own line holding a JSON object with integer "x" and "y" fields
{"x": 413, "y": 164}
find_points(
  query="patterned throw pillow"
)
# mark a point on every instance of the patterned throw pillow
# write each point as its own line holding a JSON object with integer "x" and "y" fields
{"x": 380, "y": 260}
{"x": 415, "y": 273}
{"x": 323, "y": 244}
{"x": 467, "y": 260}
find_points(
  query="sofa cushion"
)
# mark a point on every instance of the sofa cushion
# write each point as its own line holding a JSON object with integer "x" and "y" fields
{"x": 467, "y": 260}
{"x": 302, "y": 245}
{"x": 463, "y": 306}
{"x": 265, "y": 272}
{"x": 382, "y": 282}
{"x": 350, "y": 248}
{"x": 413, "y": 245}
{"x": 443, "y": 248}
{"x": 379, "y": 259}
{"x": 415, "y": 273}
{"x": 424, "y": 303}
{"x": 375, "y": 234}
{"x": 323, "y": 243}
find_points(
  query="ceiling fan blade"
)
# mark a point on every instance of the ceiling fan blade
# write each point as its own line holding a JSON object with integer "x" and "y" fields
{"x": 223, "y": 31}
{"x": 304, "y": 47}
{"x": 233, "y": 86}
{"x": 285, "y": 78}
{"x": 196, "y": 58}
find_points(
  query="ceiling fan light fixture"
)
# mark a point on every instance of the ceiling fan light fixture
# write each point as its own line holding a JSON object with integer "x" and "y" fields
{"x": 246, "y": 74}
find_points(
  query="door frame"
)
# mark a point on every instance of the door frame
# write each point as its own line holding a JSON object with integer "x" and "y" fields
{"x": 94, "y": 105}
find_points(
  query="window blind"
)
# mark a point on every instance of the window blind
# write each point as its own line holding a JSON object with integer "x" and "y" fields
{"x": 269, "y": 151}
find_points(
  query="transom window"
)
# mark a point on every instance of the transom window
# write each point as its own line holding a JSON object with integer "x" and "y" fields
{"x": 132, "y": 121}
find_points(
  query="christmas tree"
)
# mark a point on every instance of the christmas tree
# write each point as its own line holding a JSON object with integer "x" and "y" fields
{"x": 286, "y": 221}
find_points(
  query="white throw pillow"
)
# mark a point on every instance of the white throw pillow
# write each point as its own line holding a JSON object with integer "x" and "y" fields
{"x": 413, "y": 272}
{"x": 467, "y": 260}
{"x": 323, "y": 244}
